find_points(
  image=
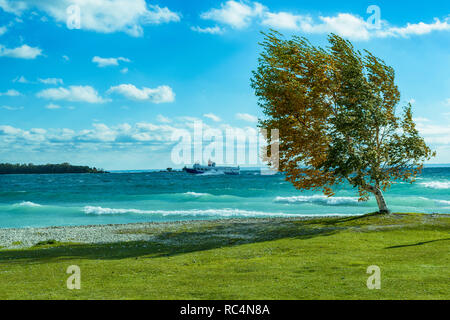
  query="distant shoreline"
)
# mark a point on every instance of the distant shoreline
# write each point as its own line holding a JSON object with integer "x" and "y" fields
{"x": 63, "y": 168}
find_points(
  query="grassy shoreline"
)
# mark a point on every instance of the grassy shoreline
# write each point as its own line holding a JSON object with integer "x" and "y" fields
{"x": 308, "y": 258}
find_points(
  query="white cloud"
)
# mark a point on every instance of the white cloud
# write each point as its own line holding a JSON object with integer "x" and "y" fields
{"x": 22, "y": 52}
{"x": 161, "y": 94}
{"x": 9, "y": 130}
{"x": 163, "y": 119}
{"x": 54, "y": 81}
{"x": 72, "y": 93}
{"x": 348, "y": 25}
{"x": 14, "y": 7}
{"x": 235, "y": 14}
{"x": 421, "y": 119}
{"x": 11, "y": 108}
{"x": 210, "y": 30}
{"x": 105, "y": 62}
{"x": 212, "y": 116}
{"x": 99, "y": 136}
{"x": 3, "y": 30}
{"x": 65, "y": 57}
{"x": 246, "y": 117}
{"x": 105, "y": 16}
{"x": 282, "y": 20}
{"x": 10, "y": 93}
{"x": 433, "y": 133}
{"x": 20, "y": 79}
{"x": 52, "y": 106}
{"x": 420, "y": 28}
{"x": 124, "y": 70}
{"x": 239, "y": 15}
{"x": 343, "y": 24}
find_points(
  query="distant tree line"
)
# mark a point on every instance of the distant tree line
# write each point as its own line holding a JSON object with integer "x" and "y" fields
{"x": 8, "y": 168}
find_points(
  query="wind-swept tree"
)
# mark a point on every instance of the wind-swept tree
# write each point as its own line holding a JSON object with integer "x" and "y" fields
{"x": 335, "y": 109}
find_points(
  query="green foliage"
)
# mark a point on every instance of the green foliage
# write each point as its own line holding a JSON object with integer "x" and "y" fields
{"x": 7, "y": 168}
{"x": 336, "y": 112}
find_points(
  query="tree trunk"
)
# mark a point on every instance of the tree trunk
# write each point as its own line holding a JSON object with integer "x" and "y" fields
{"x": 382, "y": 206}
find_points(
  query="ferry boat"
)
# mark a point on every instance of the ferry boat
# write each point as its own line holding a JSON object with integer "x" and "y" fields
{"x": 212, "y": 168}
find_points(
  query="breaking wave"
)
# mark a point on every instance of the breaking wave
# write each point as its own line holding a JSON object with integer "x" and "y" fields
{"x": 197, "y": 194}
{"x": 436, "y": 185}
{"x": 195, "y": 212}
{"x": 27, "y": 204}
{"x": 318, "y": 199}
{"x": 443, "y": 202}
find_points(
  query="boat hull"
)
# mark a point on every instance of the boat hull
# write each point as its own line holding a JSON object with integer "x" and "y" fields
{"x": 227, "y": 172}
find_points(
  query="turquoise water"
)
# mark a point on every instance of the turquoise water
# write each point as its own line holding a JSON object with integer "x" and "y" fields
{"x": 86, "y": 199}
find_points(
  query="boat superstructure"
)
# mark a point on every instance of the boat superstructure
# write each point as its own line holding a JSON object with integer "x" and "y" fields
{"x": 212, "y": 168}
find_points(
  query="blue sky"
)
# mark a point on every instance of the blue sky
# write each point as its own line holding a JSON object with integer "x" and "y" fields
{"x": 111, "y": 92}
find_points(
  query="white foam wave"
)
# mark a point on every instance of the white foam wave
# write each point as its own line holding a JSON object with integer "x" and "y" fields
{"x": 196, "y": 212}
{"x": 443, "y": 202}
{"x": 440, "y": 185}
{"x": 212, "y": 173}
{"x": 321, "y": 199}
{"x": 27, "y": 204}
{"x": 196, "y": 194}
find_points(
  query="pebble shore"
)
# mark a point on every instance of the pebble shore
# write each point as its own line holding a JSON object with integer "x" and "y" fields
{"x": 94, "y": 234}
{"x": 28, "y": 237}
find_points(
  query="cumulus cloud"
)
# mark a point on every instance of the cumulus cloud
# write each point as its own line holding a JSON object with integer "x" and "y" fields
{"x": 161, "y": 94}
{"x": 282, "y": 20}
{"x": 240, "y": 14}
{"x": 54, "y": 81}
{"x": 163, "y": 119}
{"x": 246, "y": 117}
{"x": 343, "y": 24}
{"x": 99, "y": 133}
{"x": 20, "y": 79}
{"x": 420, "y": 28}
{"x": 11, "y": 108}
{"x": 105, "y": 136}
{"x": 10, "y": 93}
{"x": 433, "y": 133}
{"x": 52, "y": 106}
{"x": 14, "y": 7}
{"x": 105, "y": 16}
{"x": 22, "y": 52}
{"x": 72, "y": 93}
{"x": 210, "y": 30}
{"x": 212, "y": 116}
{"x": 235, "y": 14}
{"x": 106, "y": 62}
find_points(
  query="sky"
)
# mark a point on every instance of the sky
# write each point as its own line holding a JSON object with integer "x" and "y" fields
{"x": 110, "y": 83}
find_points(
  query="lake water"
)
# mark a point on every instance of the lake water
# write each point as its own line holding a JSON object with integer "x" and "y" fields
{"x": 86, "y": 199}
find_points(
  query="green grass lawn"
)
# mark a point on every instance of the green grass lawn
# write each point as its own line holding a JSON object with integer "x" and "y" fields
{"x": 262, "y": 259}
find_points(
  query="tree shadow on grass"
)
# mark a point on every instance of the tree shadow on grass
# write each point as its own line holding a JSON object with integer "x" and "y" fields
{"x": 169, "y": 244}
{"x": 417, "y": 244}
